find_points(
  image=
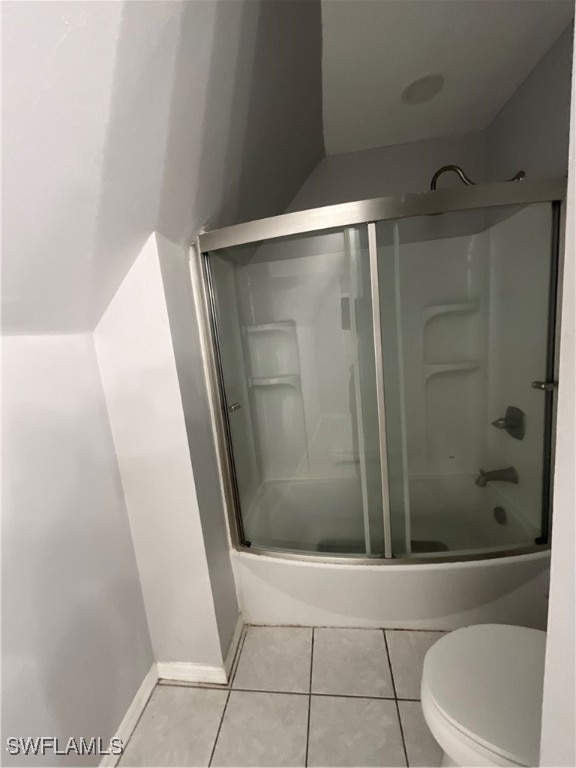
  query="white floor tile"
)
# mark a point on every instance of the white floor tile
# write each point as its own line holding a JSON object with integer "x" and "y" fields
{"x": 407, "y": 650}
{"x": 178, "y": 728}
{"x": 354, "y": 732}
{"x": 351, "y": 662}
{"x": 263, "y": 729}
{"x": 422, "y": 748}
{"x": 275, "y": 659}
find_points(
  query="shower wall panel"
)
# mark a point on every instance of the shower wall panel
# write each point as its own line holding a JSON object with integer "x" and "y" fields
{"x": 306, "y": 292}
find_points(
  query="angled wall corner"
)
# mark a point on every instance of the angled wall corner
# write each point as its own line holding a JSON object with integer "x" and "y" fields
{"x": 234, "y": 145}
{"x": 139, "y": 375}
{"x": 531, "y": 131}
{"x": 86, "y": 97}
{"x": 174, "y": 264}
{"x": 558, "y": 742}
{"x": 245, "y": 122}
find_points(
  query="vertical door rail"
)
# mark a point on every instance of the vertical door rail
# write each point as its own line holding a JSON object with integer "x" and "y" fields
{"x": 377, "y": 333}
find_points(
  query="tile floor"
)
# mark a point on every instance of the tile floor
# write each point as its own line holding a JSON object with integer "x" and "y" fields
{"x": 297, "y": 697}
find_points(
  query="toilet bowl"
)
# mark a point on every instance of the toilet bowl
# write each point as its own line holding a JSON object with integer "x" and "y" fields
{"x": 482, "y": 695}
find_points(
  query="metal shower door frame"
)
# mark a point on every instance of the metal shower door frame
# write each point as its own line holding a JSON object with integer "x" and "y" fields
{"x": 367, "y": 212}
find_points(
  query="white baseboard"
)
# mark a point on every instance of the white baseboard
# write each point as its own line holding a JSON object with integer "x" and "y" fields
{"x": 189, "y": 672}
{"x": 132, "y": 715}
{"x": 170, "y": 670}
{"x": 233, "y": 646}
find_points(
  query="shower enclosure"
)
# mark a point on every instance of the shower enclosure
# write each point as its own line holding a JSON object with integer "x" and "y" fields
{"x": 383, "y": 374}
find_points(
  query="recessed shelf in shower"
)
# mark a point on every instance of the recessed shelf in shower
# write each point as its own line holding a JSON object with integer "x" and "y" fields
{"x": 273, "y": 349}
{"x": 450, "y": 336}
{"x": 286, "y": 326}
{"x": 289, "y": 380}
{"x": 433, "y": 369}
{"x": 446, "y": 309}
{"x": 278, "y": 400}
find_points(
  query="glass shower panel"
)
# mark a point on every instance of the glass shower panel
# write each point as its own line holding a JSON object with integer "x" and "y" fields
{"x": 296, "y": 348}
{"x": 464, "y": 301}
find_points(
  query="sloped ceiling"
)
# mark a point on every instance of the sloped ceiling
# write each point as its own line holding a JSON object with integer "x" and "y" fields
{"x": 122, "y": 118}
{"x": 374, "y": 49}
{"x": 83, "y": 153}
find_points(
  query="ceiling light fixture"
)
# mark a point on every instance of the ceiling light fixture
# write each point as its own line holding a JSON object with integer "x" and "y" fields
{"x": 423, "y": 89}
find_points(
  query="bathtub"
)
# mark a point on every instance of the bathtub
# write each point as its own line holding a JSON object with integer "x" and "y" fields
{"x": 443, "y": 596}
{"x": 448, "y": 508}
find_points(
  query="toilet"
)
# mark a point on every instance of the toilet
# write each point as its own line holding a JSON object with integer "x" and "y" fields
{"x": 482, "y": 695}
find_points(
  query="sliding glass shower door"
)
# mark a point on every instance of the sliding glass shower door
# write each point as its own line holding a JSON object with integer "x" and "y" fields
{"x": 467, "y": 328}
{"x": 387, "y": 388}
{"x": 295, "y": 330}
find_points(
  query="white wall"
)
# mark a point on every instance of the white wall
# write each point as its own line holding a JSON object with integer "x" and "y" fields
{"x": 373, "y": 51}
{"x": 86, "y": 96}
{"x": 140, "y": 381}
{"x": 75, "y": 642}
{"x": 531, "y": 131}
{"x": 81, "y": 177}
{"x": 119, "y": 116}
{"x": 558, "y": 744}
{"x": 389, "y": 170}
{"x": 246, "y": 112}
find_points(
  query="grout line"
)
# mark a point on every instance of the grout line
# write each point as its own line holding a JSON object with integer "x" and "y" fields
{"x": 411, "y": 629}
{"x": 332, "y": 626}
{"x": 237, "y": 655}
{"x": 219, "y": 728}
{"x": 239, "y": 650}
{"x": 309, "y": 694}
{"x": 395, "y": 698}
{"x": 144, "y": 708}
{"x": 309, "y": 698}
{"x": 311, "y": 661}
{"x": 182, "y": 684}
{"x": 389, "y": 663}
{"x": 166, "y": 682}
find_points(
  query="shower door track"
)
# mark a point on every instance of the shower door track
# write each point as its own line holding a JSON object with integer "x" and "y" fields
{"x": 338, "y": 216}
{"x": 383, "y": 208}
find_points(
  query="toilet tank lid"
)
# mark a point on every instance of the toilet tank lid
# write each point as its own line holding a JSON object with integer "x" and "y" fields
{"x": 487, "y": 681}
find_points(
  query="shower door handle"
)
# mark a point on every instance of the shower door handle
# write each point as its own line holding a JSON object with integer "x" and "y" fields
{"x": 234, "y": 407}
{"x": 545, "y": 386}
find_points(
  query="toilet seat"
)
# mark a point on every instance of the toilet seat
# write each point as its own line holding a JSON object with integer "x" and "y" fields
{"x": 482, "y": 694}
